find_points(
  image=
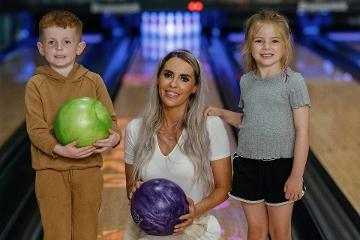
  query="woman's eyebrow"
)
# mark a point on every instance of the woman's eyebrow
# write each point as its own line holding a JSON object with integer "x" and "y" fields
{"x": 185, "y": 75}
{"x": 181, "y": 74}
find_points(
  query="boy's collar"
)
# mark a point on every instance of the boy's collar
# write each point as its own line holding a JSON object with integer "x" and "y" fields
{"x": 76, "y": 72}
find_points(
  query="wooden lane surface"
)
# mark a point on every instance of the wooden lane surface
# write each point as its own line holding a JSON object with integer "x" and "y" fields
{"x": 334, "y": 120}
{"x": 335, "y": 133}
{"x": 15, "y": 70}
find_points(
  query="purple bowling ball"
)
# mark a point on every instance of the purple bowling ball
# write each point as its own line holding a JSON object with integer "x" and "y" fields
{"x": 157, "y": 205}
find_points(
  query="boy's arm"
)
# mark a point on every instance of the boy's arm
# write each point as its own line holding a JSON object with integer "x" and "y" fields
{"x": 41, "y": 135}
{"x": 233, "y": 118}
{"x": 104, "y": 97}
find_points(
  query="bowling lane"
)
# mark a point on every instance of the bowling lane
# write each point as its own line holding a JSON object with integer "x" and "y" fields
{"x": 15, "y": 70}
{"x": 354, "y": 45}
{"x": 334, "y": 119}
{"x": 129, "y": 103}
{"x": 349, "y": 39}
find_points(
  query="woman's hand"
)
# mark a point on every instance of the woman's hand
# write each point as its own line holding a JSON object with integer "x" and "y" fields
{"x": 134, "y": 188}
{"x": 187, "y": 219}
{"x": 293, "y": 188}
{"x": 105, "y": 144}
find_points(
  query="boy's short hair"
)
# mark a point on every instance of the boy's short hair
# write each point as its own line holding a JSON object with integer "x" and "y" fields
{"x": 60, "y": 18}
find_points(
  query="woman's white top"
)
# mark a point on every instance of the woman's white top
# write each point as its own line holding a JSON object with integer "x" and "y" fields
{"x": 176, "y": 166}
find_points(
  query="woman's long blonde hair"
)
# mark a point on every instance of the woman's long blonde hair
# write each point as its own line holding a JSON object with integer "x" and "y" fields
{"x": 252, "y": 26}
{"x": 195, "y": 142}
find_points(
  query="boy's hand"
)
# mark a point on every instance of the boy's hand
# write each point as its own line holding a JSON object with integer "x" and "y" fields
{"x": 71, "y": 151}
{"x": 105, "y": 144}
{"x": 212, "y": 111}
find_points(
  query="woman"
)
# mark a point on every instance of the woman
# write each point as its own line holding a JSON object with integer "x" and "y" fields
{"x": 174, "y": 140}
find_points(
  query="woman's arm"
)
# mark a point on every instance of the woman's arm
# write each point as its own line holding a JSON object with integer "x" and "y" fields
{"x": 221, "y": 169}
{"x": 131, "y": 131}
{"x": 293, "y": 186}
{"x": 129, "y": 184}
{"x": 222, "y": 178}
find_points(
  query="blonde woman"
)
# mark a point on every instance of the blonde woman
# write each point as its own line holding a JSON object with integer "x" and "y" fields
{"x": 174, "y": 140}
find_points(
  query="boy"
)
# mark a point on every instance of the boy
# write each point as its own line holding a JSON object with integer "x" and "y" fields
{"x": 68, "y": 181}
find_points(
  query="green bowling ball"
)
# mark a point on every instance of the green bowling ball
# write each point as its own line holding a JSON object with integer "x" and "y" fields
{"x": 82, "y": 119}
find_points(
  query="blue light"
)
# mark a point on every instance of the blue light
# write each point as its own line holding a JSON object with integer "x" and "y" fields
{"x": 92, "y": 38}
{"x": 344, "y": 36}
{"x": 216, "y": 32}
{"x": 117, "y": 32}
{"x": 166, "y": 31}
{"x": 311, "y": 30}
{"x": 236, "y": 37}
{"x": 111, "y": 22}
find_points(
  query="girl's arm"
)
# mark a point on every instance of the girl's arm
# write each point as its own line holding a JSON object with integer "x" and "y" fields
{"x": 293, "y": 186}
{"x": 232, "y": 118}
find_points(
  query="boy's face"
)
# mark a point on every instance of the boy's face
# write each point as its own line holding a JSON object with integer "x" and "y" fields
{"x": 60, "y": 47}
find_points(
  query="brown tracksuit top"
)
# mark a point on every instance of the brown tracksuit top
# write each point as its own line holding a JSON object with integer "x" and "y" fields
{"x": 45, "y": 93}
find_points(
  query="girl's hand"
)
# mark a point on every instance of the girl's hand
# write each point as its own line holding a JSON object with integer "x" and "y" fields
{"x": 134, "y": 188}
{"x": 293, "y": 188}
{"x": 212, "y": 111}
{"x": 71, "y": 151}
{"x": 105, "y": 144}
{"x": 187, "y": 219}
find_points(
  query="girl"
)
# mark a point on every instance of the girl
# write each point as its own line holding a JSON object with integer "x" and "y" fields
{"x": 273, "y": 129}
{"x": 174, "y": 140}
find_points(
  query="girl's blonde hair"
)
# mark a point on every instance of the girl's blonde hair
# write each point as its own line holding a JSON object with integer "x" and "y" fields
{"x": 252, "y": 26}
{"x": 195, "y": 142}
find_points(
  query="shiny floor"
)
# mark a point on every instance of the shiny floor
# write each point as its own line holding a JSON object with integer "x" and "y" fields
{"x": 334, "y": 128}
{"x": 334, "y": 122}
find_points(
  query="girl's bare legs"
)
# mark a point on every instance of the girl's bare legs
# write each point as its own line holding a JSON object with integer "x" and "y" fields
{"x": 257, "y": 219}
{"x": 280, "y": 221}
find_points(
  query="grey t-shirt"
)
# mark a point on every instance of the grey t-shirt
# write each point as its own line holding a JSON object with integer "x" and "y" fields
{"x": 267, "y": 130}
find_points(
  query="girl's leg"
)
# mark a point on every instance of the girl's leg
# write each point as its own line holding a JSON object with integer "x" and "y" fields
{"x": 280, "y": 221}
{"x": 257, "y": 220}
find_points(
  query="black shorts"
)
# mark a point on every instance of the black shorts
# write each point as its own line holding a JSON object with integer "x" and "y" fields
{"x": 256, "y": 181}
